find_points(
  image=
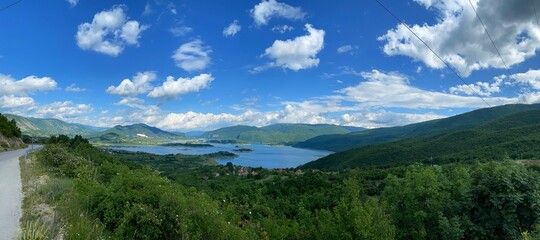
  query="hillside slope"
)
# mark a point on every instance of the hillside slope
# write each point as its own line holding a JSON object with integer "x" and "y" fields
{"x": 136, "y": 133}
{"x": 282, "y": 133}
{"x": 10, "y": 135}
{"x": 44, "y": 127}
{"x": 515, "y": 136}
{"x": 341, "y": 142}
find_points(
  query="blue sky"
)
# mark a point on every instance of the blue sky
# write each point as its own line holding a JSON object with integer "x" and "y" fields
{"x": 199, "y": 65}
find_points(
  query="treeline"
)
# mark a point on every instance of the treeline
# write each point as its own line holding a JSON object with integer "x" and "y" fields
{"x": 496, "y": 200}
{"x": 9, "y": 128}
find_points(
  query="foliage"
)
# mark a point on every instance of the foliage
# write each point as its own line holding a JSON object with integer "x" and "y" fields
{"x": 40, "y": 127}
{"x": 516, "y": 137}
{"x": 118, "y": 196}
{"x": 9, "y": 128}
{"x": 276, "y": 133}
{"x": 469, "y": 120}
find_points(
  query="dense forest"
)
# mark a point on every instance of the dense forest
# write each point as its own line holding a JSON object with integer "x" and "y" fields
{"x": 104, "y": 194}
{"x": 461, "y": 122}
{"x": 516, "y": 136}
{"x": 9, "y": 128}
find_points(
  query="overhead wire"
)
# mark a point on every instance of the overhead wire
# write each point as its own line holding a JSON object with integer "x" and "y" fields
{"x": 535, "y": 13}
{"x": 433, "y": 51}
{"x": 10, "y": 5}
{"x": 489, "y": 35}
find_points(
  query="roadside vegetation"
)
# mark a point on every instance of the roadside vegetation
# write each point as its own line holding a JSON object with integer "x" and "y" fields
{"x": 80, "y": 192}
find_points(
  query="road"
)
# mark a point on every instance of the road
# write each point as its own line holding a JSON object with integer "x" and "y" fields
{"x": 10, "y": 192}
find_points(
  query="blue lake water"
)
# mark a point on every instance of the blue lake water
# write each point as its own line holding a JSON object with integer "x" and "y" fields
{"x": 262, "y": 155}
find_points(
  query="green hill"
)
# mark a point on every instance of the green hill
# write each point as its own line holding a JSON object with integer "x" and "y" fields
{"x": 282, "y": 133}
{"x": 515, "y": 136}
{"x": 341, "y": 142}
{"x": 136, "y": 133}
{"x": 10, "y": 134}
{"x": 44, "y": 127}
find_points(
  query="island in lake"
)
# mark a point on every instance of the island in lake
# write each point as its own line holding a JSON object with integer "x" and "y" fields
{"x": 187, "y": 145}
{"x": 243, "y": 150}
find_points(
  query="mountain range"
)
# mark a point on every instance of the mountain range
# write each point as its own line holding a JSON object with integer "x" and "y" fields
{"x": 281, "y": 133}
{"x": 136, "y": 133}
{"x": 470, "y": 136}
{"x": 341, "y": 142}
{"x": 44, "y": 127}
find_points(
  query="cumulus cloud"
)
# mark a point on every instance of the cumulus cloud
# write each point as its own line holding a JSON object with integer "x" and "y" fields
{"x": 459, "y": 38}
{"x": 73, "y": 3}
{"x": 63, "y": 110}
{"x": 480, "y": 88}
{"x": 132, "y": 102}
{"x": 394, "y": 90}
{"x": 109, "y": 32}
{"x": 139, "y": 85}
{"x": 181, "y": 30}
{"x": 346, "y": 48}
{"x": 268, "y": 9}
{"x": 383, "y": 118}
{"x": 530, "y": 78}
{"x": 173, "y": 88}
{"x": 298, "y": 53}
{"x": 232, "y": 29}
{"x": 529, "y": 97}
{"x": 26, "y": 85}
{"x": 74, "y": 88}
{"x": 282, "y": 28}
{"x": 14, "y": 102}
{"x": 192, "y": 56}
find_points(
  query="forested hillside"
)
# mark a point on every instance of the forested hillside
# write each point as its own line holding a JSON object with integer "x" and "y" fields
{"x": 10, "y": 134}
{"x": 97, "y": 196}
{"x": 45, "y": 127}
{"x": 515, "y": 136}
{"x": 136, "y": 133}
{"x": 464, "y": 121}
{"x": 281, "y": 133}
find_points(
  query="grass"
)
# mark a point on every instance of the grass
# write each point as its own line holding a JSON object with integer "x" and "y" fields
{"x": 49, "y": 210}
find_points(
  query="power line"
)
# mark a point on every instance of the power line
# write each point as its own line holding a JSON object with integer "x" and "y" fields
{"x": 10, "y": 5}
{"x": 491, "y": 39}
{"x": 535, "y": 13}
{"x": 437, "y": 55}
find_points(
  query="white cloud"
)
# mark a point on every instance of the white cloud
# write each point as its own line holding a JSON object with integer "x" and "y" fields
{"x": 394, "y": 90}
{"x": 26, "y": 85}
{"x": 232, "y": 29}
{"x": 74, "y": 88}
{"x": 14, "y": 102}
{"x": 299, "y": 53}
{"x": 179, "y": 31}
{"x": 459, "y": 38}
{"x": 139, "y": 85}
{"x": 346, "y": 48}
{"x": 282, "y": 28}
{"x": 147, "y": 9}
{"x": 132, "y": 102}
{"x": 480, "y": 88}
{"x": 382, "y": 118}
{"x": 73, "y": 3}
{"x": 192, "y": 56}
{"x": 63, "y": 110}
{"x": 173, "y": 88}
{"x": 529, "y": 97}
{"x": 109, "y": 32}
{"x": 530, "y": 78}
{"x": 268, "y": 9}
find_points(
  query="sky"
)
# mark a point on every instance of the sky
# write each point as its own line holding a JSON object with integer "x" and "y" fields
{"x": 199, "y": 65}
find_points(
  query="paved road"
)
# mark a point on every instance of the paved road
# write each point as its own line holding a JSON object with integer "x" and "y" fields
{"x": 10, "y": 192}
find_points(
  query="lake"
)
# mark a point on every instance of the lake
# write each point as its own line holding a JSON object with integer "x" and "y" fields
{"x": 262, "y": 155}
